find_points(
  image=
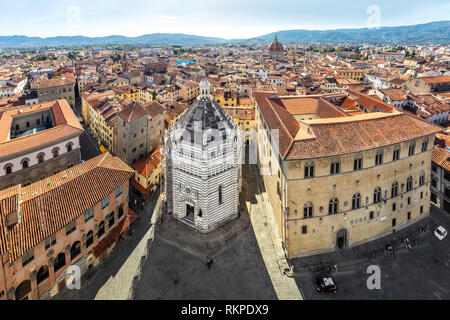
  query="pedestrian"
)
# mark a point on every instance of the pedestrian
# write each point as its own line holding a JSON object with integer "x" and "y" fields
{"x": 135, "y": 202}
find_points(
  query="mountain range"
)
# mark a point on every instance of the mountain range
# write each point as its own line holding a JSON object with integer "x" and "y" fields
{"x": 433, "y": 32}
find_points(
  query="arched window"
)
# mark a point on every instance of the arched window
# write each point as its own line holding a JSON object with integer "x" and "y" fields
{"x": 379, "y": 158}
{"x": 220, "y": 194}
{"x": 422, "y": 179}
{"x": 42, "y": 274}
{"x": 69, "y": 147}
{"x": 8, "y": 169}
{"x": 60, "y": 261}
{"x": 55, "y": 152}
{"x": 394, "y": 191}
{"x": 396, "y": 154}
{"x": 333, "y": 206}
{"x": 89, "y": 239}
{"x": 200, "y": 213}
{"x": 28, "y": 124}
{"x": 38, "y": 122}
{"x": 101, "y": 229}
{"x": 75, "y": 250}
{"x": 24, "y": 164}
{"x": 308, "y": 210}
{"x": 23, "y": 290}
{"x": 41, "y": 157}
{"x": 377, "y": 195}
{"x": 409, "y": 184}
{"x": 356, "y": 201}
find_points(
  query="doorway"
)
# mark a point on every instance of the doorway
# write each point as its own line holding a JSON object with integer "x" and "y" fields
{"x": 342, "y": 239}
{"x": 190, "y": 210}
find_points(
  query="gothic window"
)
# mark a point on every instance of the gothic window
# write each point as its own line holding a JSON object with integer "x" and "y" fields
{"x": 422, "y": 179}
{"x": 356, "y": 201}
{"x": 335, "y": 167}
{"x": 377, "y": 195}
{"x": 309, "y": 170}
{"x": 396, "y": 155}
{"x": 394, "y": 191}
{"x": 379, "y": 158}
{"x": 333, "y": 206}
{"x": 308, "y": 210}
{"x": 409, "y": 184}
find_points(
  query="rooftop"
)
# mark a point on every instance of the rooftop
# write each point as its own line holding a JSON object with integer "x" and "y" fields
{"x": 50, "y": 204}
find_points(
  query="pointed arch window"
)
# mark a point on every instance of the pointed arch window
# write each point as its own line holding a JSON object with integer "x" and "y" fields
{"x": 333, "y": 206}
{"x": 308, "y": 210}
{"x": 409, "y": 184}
{"x": 394, "y": 191}
{"x": 377, "y": 195}
{"x": 356, "y": 201}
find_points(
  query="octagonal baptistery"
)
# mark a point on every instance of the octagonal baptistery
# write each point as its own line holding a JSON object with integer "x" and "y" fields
{"x": 203, "y": 165}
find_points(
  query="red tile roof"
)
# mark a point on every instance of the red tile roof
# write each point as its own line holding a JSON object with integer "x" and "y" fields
{"x": 50, "y": 204}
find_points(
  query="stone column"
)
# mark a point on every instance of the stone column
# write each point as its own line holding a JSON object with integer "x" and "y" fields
{"x": 12, "y": 294}
{"x": 34, "y": 289}
{"x": 67, "y": 252}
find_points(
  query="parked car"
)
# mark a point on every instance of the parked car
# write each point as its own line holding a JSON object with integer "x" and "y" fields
{"x": 440, "y": 233}
{"x": 325, "y": 284}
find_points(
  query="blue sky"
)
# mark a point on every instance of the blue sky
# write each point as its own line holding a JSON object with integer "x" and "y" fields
{"x": 227, "y": 19}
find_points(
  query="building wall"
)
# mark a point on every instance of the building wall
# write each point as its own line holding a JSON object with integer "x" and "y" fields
{"x": 63, "y": 92}
{"x": 322, "y": 228}
{"x": 32, "y": 156}
{"x": 41, "y": 170}
{"x": 289, "y": 192}
{"x": 132, "y": 140}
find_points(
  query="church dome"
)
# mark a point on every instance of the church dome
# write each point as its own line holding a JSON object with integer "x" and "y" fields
{"x": 275, "y": 46}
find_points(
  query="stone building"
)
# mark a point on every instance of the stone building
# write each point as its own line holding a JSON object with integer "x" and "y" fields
{"x": 203, "y": 165}
{"x": 37, "y": 141}
{"x": 338, "y": 180}
{"x": 54, "y": 89}
{"x": 73, "y": 218}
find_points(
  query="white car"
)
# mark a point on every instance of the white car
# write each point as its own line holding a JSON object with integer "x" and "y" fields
{"x": 440, "y": 233}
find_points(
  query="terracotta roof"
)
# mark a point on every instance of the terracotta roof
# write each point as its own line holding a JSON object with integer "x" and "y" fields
{"x": 146, "y": 165}
{"x": 359, "y": 133}
{"x": 440, "y": 79}
{"x": 154, "y": 108}
{"x": 132, "y": 112}
{"x": 50, "y": 204}
{"x": 395, "y": 94}
{"x": 44, "y": 84}
{"x": 338, "y": 135}
{"x": 441, "y": 157}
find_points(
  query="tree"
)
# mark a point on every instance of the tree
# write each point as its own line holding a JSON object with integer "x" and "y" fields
{"x": 154, "y": 94}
